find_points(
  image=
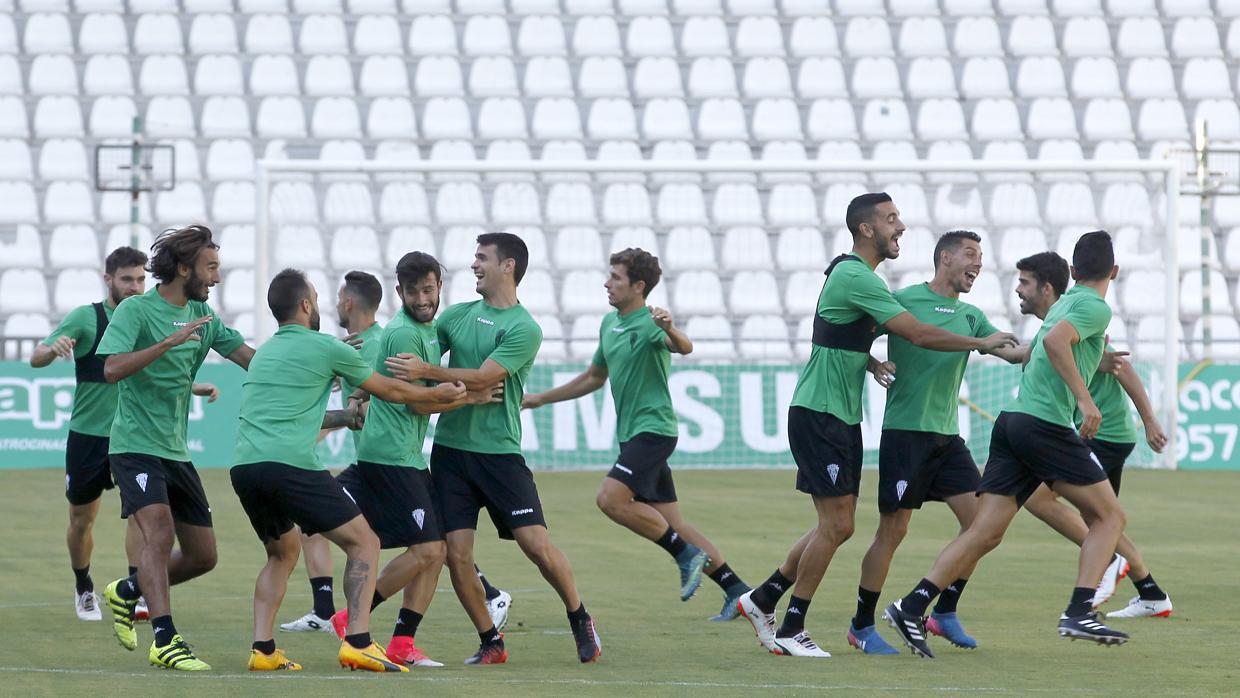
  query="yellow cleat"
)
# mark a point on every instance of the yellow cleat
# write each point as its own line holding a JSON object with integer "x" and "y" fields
{"x": 176, "y": 655}
{"x": 122, "y": 616}
{"x": 372, "y": 658}
{"x": 272, "y": 662}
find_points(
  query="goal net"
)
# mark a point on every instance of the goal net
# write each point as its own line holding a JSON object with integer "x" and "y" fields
{"x": 743, "y": 245}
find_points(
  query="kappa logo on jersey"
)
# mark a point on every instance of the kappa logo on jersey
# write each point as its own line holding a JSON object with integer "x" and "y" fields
{"x": 141, "y": 478}
{"x": 617, "y": 330}
{"x": 901, "y": 487}
{"x": 486, "y": 321}
{"x": 944, "y": 309}
{"x": 623, "y": 469}
{"x": 419, "y": 515}
{"x": 519, "y": 512}
{"x": 834, "y": 471}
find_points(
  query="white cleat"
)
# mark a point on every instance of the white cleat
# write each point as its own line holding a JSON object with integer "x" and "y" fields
{"x": 87, "y": 606}
{"x": 308, "y": 623}
{"x": 1141, "y": 608}
{"x": 763, "y": 623}
{"x": 141, "y": 612}
{"x": 800, "y": 645}
{"x": 498, "y": 607}
{"x": 1117, "y": 570}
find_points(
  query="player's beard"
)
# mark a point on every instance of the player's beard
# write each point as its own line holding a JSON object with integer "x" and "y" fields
{"x": 885, "y": 249}
{"x": 196, "y": 288}
{"x": 315, "y": 320}
{"x": 419, "y": 317}
{"x": 116, "y": 295}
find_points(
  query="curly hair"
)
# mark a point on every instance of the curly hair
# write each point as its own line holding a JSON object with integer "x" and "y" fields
{"x": 640, "y": 265}
{"x": 174, "y": 248}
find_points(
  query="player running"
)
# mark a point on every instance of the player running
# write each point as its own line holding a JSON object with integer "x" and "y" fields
{"x": 281, "y": 482}
{"x": 824, "y": 430}
{"x": 1033, "y": 442}
{"x": 635, "y": 346}
{"x": 154, "y": 345}
{"x": 476, "y": 461}
{"x": 921, "y": 455}
{"x": 1043, "y": 278}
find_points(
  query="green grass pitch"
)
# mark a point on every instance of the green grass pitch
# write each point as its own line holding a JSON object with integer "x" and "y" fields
{"x": 1185, "y": 523}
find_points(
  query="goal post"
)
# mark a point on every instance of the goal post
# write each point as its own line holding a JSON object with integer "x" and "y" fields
{"x": 285, "y": 187}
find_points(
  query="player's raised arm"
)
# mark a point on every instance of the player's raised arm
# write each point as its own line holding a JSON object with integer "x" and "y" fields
{"x": 928, "y": 336}
{"x": 118, "y": 367}
{"x": 676, "y": 340}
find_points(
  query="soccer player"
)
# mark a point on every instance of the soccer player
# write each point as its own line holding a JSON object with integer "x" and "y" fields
{"x": 1042, "y": 279}
{"x": 824, "y": 430}
{"x": 921, "y": 455}
{"x": 281, "y": 482}
{"x": 476, "y": 461}
{"x": 1033, "y": 442}
{"x": 154, "y": 345}
{"x": 357, "y": 301}
{"x": 635, "y": 346}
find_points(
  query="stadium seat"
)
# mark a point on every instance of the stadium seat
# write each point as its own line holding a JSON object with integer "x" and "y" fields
{"x": 15, "y": 159}
{"x": 537, "y": 292}
{"x": 886, "y": 119}
{"x": 55, "y": 75}
{"x": 1125, "y": 204}
{"x": 458, "y": 203}
{"x": 1016, "y": 244}
{"x": 867, "y": 36}
{"x": 348, "y": 202}
{"x": 824, "y": 77}
{"x": 583, "y": 337}
{"x": 958, "y": 205}
{"x": 23, "y": 291}
{"x": 876, "y": 77}
{"x": 1205, "y": 78}
{"x": 1051, "y": 118}
{"x": 61, "y": 116}
{"x": 916, "y": 251}
{"x": 104, "y": 75}
{"x": 596, "y": 36}
{"x": 712, "y": 336}
{"x": 1150, "y": 78}
{"x": 1143, "y": 292}
{"x": 76, "y": 287}
{"x": 831, "y": 119}
{"x": 927, "y": 77}
{"x": 1150, "y": 344}
{"x": 578, "y": 247}
{"x": 1188, "y": 249}
{"x": 985, "y": 77}
{"x": 391, "y": 117}
{"x": 801, "y": 291}
{"x": 650, "y": 36}
{"x": 639, "y": 237}
{"x": 432, "y": 35}
{"x": 181, "y": 205}
{"x": 746, "y": 248}
{"x": 1195, "y": 37}
{"x": 1162, "y": 119}
{"x": 1141, "y": 36}
{"x": 1225, "y": 336}
{"x": 541, "y": 36}
{"x": 237, "y": 294}
{"x": 406, "y": 238}
{"x": 515, "y": 203}
{"x": 355, "y": 247}
{"x": 689, "y": 248}
{"x": 940, "y": 119}
{"x": 294, "y": 202}
{"x": 1107, "y": 119}
{"x": 800, "y": 248}
{"x": 100, "y": 32}
{"x": 1192, "y": 294}
{"x": 1223, "y": 116}
{"x": 813, "y": 36}
{"x": 759, "y": 36}
{"x": 328, "y": 75}
{"x": 1086, "y": 36}
{"x": 570, "y": 204}
{"x": 236, "y": 246}
{"x": 556, "y": 118}
{"x": 681, "y": 204}
{"x": 977, "y": 36}
{"x": 753, "y": 293}
{"x": 552, "y": 348}
{"x": 377, "y": 35}
{"x": 581, "y": 292}
{"x": 1040, "y": 76}
{"x": 1032, "y": 35}
{"x": 922, "y": 36}
{"x": 121, "y": 235}
{"x": 22, "y": 325}
{"x": 21, "y": 249}
{"x": 233, "y": 202}
{"x": 767, "y": 77}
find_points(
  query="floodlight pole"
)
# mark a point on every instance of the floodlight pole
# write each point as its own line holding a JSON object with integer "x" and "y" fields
{"x": 135, "y": 179}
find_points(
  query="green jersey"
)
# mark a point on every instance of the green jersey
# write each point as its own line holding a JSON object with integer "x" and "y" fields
{"x": 1117, "y": 423}
{"x": 1043, "y": 393}
{"x": 152, "y": 409}
{"x": 94, "y": 403}
{"x": 833, "y": 380}
{"x": 370, "y": 351}
{"x": 475, "y": 332}
{"x": 634, "y": 351}
{"x": 925, "y": 394}
{"x": 285, "y": 395}
{"x": 393, "y": 435}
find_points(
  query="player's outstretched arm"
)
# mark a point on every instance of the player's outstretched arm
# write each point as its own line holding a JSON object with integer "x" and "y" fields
{"x": 585, "y": 383}
{"x": 242, "y": 355}
{"x": 1058, "y": 344}
{"x": 1018, "y": 354}
{"x": 1131, "y": 383}
{"x": 938, "y": 339}
{"x": 677, "y": 340}
{"x": 411, "y": 368}
{"x": 490, "y": 396}
{"x": 118, "y": 367}
{"x": 44, "y": 354}
{"x": 393, "y": 390}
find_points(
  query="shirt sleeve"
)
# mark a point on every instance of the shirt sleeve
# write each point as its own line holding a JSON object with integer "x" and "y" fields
{"x": 871, "y": 296}
{"x": 348, "y": 363}
{"x": 984, "y": 328}
{"x": 442, "y": 330}
{"x": 122, "y": 333}
{"x": 599, "y": 359}
{"x": 225, "y": 339}
{"x": 74, "y": 327}
{"x": 1089, "y": 318}
{"x": 657, "y": 336}
{"x": 518, "y": 346}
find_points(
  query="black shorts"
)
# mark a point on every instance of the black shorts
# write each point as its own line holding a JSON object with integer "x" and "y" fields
{"x": 1113, "y": 455}
{"x": 397, "y": 501}
{"x": 642, "y": 467}
{"x": 827, "y": 452}
{"x": 919, "y": 466}
{"x": 465, "y": 482}
{"x": 87, "y": 473}
{"x": 276, "y": 495}
{"x": 144, "y": 479}
{"x": 1026, "y": 451}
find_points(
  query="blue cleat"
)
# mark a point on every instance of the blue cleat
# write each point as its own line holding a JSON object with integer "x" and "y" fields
{"x": 691, "y": 562}
{"x": 869, "y": 641}
{"x": 730, "y": 610}
{"x": 948, "y": 627}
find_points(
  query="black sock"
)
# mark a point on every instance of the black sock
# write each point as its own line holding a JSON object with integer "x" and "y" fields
{"x": 1081, "y": 603}
{"x": 265, "y": 646}
{"x": 164, "y": 630}
{"x": 128, "y": 589}
{"x": 726, "y": 578}
{"x": 794, "y": 617}
{"x": 950, "y": 597}
{"x": 83, "y": 581}
{"x": 1148, "y": 589}
{"x": 376, "y": 600}
{"x": 359, "y": 641}
{"x": 867, "y": 601}
{"x": 768, "y": 593}
{"x": 324, "y": 604}
{"x": 133, "y": 571}
{"x": 407, "y": 623}
{"x": 672, "y": 542}
{"x": 490, "y": 636}
{"x": 578, "y": 617}
{"x": 491, "y": 591}
{"x": 918, "y": 600}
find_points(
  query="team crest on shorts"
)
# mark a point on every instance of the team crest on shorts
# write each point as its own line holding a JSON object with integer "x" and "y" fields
{"x": 834, "y": 471}
{"x": 419, "y": 515}
{"x": 901, "y": 487}
{"x": 141, "y": 478}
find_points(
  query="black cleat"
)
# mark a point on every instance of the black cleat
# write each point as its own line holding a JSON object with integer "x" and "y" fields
{"x": 912, "y": 629}
{"x": 1087, "y": 627}
{"x": 589, "y": 644}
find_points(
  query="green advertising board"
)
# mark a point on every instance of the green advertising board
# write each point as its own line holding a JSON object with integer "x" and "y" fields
{"x": 731, "y": 416}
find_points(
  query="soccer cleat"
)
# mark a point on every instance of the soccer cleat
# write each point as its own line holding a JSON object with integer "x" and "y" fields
{"x": 176, "y": 655}
{"x": 402, "y": 649}
{"x": 1117, "y": 570}
{"x": 140, "y": 612}
{"x": 87, "y": 606}
{"x": 912, "y": 629}
{"x": 763, "y": 623}
{"x": 589, "y": 644}
{"x": 308, "y": 623}
{"x": 730, "y": 610}
{"x": 271, "y": 662}
{"x": 948, "y": 627}
{"x": 800, "y": 645}
{"x": 372, "y": 658}
{"x": 340, "y": 623}
{"x": 1143, "y": 608}
{"x": 122, "y": 616}
{"x": 1087, "y": 627}
{"x": 498, "y": 607}
{"x": 691, "y": 571}
{"x": 490, "y": 653}
{"x": 869, "y": 641}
